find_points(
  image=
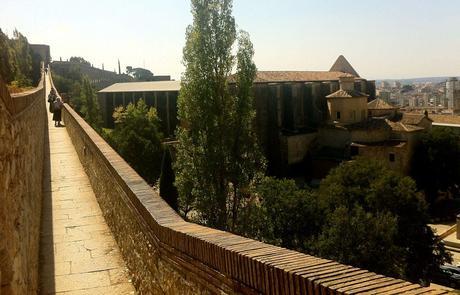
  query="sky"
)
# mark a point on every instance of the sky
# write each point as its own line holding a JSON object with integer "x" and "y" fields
{"x": 381, "y": 39}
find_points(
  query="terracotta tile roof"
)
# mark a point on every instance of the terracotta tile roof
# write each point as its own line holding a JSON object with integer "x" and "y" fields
{"x": 143, "y": 86}
{"x": 346, "y": 94}
{"x": 401, "y": 127}
{"x": 446, "y": 119}
{"x": 342, "y": 65}
{"x": 393, "y": 143}
{"x": 298, "y": 76}
{"x": 369, "y": 124}
{"x": 379, "y": 104}
{"x": 413, "y": 119}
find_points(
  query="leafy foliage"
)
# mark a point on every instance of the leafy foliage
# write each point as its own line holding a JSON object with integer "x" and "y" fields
{"x": 375, "y": 210}
{"x": 436, "y": 164}
{"x": 363, "y": 214}
{"x": 18, "y": 65}
{"x": 70, "y": 82}
{"x": 137, "y": 139}
{"x": 90, "y": 106}
{"x": 168, "y": 190}
{"x": 218, "y": 157}
{"x": 80, "y": 60}
{"x": 140, "y": 73}
{"x": 281, "y": 214}
{"x": 81, "y": 93}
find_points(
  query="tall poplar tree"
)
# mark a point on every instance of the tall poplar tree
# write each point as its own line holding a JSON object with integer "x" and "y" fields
{"x": 90, "y": 105}
{"x": 217, "y": 157}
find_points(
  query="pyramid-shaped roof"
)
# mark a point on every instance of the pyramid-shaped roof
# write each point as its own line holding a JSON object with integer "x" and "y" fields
{"x": 342, "y": 65}
{"x": 379, "y": 104}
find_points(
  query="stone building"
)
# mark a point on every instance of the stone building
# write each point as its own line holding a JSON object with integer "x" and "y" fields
{"x": 290, "y": 107}
{"x": 307, "y": 122}
{"x": 388, "y": 135}
{"x": 347, "y": 105}
{"x": 380, "y": 108}
{"x": 159, "y": 94}
{"x": 453, "y": 94}
{"x": 357, "y": 128}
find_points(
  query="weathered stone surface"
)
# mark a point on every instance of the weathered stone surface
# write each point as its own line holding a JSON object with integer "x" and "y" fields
{"x": 22, "y": 135}
{"x": 78, "y": 254}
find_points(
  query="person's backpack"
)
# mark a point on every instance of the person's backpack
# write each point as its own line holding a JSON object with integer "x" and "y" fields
{"x": 57, "y": 105}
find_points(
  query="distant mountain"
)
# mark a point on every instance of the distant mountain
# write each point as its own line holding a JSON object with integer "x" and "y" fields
{"x": 433, "y": 80}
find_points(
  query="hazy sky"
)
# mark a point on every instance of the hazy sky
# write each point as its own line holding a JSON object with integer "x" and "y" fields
{"x": 381, "y": 39}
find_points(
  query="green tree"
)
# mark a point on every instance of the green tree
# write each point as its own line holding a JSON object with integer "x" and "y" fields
{"x": 22, "y": 59}
{"x": 217, "y": 157}
{"x": 69, "y": 81}
{"x": 374, "y": 213}
{"x": 6, "y": 66}
{"x": 137, "y": 139}
{"x": 18, "y": 65}
{"x": 168, "y": 190}
{"x": 282, "y": 214}
{"x": 140, "y": 73}
{"x": 362, "y": 239}
{"x": 80, "y": 60}
{"x": 436, "y": 164}
{"x": 90, "y": 106}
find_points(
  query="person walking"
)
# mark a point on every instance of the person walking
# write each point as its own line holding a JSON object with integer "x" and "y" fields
{"x": 51, "y": 100}
{"x": 57, "y": 105}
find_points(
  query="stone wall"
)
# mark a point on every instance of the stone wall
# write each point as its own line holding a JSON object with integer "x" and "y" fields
{"x": 167, "y": 255}
{"x": 399, "y": 161}
{"x": 22, "y": 137}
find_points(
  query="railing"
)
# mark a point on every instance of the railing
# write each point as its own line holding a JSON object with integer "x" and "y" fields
{"x": 167, "y": 254}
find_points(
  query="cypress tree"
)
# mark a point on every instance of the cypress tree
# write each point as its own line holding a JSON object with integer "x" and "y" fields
{"x": 168, "y": 190}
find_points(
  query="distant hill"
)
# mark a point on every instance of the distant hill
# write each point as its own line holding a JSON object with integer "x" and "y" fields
{"x": 433, "y": 80}
{"x": 99, "y": 78}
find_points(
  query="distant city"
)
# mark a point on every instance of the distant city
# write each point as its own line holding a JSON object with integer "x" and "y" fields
{"x": 436, "y": 94}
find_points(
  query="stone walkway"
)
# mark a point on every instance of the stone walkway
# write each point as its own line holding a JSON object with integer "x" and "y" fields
{"x": 78, "y": 254}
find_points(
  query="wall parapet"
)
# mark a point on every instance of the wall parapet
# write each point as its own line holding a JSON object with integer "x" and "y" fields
{"x": 169, "y": 255}
{"x": 22, "y": 147}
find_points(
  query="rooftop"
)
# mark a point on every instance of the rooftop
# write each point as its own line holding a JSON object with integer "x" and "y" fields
{"x": 445, "y": 119}
{"x": 298, "y": 76}
{"x": 369, "y": 124}
{"x": 154, "y": 86}
{"x": 346, "y": 94}
{"x": 392, "y": 143}
{"x": 401, "y": 127}
{"x": 413, "y": 119}
{"x": 342, "y": 65}
{"x": 379, "y": 104}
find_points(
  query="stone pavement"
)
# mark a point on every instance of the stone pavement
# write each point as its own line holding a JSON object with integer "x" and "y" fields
{"x": 78, "y": 254}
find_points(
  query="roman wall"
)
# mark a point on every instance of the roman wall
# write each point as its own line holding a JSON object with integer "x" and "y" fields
{"x": 22, "y": 148}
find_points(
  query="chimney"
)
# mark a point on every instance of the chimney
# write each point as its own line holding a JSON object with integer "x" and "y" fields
{"x": 347, "y": 83}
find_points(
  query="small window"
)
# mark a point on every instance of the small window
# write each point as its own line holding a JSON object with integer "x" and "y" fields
{"x": 363, "y": 114}
{"x": 392, "y": 157}
{"x": 337, "y": 115}
{"x": 354, "y": 151}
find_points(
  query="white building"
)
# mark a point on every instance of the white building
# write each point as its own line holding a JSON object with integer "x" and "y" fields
{"x": 453, "y": 94}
